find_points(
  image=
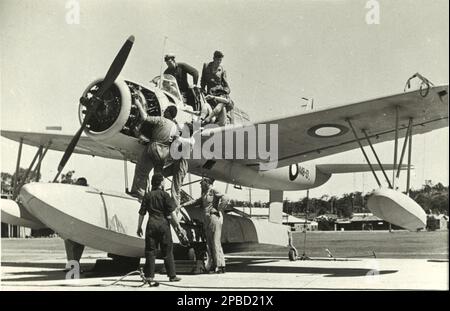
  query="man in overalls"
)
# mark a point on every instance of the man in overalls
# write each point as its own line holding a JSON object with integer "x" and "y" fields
{"x": 212, "y": 222}
{"x": 161, "y": 209}
{"x": 159, "y": 133}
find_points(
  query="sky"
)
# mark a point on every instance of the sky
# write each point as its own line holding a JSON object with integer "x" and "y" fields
{"x": 275, "y": 53}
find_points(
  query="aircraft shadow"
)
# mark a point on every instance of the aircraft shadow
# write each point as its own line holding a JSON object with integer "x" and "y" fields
{"x": 52, "y": 275}
{"x": 234, "y": 265}
{"x": 55, "y": 275}
{"x": 45, "y": 275}
{"x": 248, "y": 265}
{"x": 48, "y": 265}
{"x": 437, "y": 260}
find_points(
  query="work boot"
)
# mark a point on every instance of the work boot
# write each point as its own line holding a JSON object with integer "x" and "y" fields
{"x": 220, "y": 270}
{"x": 174, "y": 279}
{"x": 151, "y": 283}
{"x": 212, "y": 270}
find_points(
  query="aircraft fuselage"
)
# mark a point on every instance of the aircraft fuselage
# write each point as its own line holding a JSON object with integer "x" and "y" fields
{"x": 114, "y": 129}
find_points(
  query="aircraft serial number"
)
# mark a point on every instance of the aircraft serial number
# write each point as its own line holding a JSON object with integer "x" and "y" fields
{"x": 295, "y": 170}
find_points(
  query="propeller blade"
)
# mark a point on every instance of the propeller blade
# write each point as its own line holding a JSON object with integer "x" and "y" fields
{"x": 116, "y": 66}
{"x": 112, "y": 74}
{"x": 71, "y": 147}
{"x": 69, "y": 150}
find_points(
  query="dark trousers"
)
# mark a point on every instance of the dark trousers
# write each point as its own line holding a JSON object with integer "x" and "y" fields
{"x": 157, "y": 234}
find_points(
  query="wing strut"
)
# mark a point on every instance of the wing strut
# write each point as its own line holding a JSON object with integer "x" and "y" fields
{"x": 405, "y": 142}
{"x": 19, "y": 156}
{"x": 408, "y": 176}
{"x": 376, "y": 157}
{"x": 395, "y": 147}
{"x": 397, "y": 167}
{"x": 24, "y": 178}
{"x": 39, "y": 154}
{"x": 37, "y": 169}
{"x": 363, "y": 151}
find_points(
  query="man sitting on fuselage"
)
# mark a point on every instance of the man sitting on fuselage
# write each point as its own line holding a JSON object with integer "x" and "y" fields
{"x": 214, "y": 83}
{"x": 180, "y": 71}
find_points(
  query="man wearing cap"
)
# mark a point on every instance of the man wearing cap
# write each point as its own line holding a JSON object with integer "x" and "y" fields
{"x": 161, "y": 210}
{"x": 180, "y": 72}
{"x": 215, "y": 84}
{"x": 209, "y": 203}
{"x": 158, "y": 133}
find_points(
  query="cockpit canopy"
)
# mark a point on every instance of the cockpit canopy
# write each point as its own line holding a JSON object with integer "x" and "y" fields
{"x": 169, "y": 85}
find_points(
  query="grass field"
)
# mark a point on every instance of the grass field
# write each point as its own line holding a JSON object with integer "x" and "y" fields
{"x": 342, "y": 244}
{"x": 398, "y": 244}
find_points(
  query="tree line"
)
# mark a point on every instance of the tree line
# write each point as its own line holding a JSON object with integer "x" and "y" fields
{"x": 433, "y": 198}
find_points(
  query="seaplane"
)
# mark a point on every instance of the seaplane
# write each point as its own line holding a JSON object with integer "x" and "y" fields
{"x": 107, "y": 220}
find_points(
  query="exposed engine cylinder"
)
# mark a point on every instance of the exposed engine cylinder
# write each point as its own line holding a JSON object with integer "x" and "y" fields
{"x": 117, "y": 111}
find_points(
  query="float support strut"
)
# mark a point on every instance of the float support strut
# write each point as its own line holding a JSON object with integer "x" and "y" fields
{"x": 404, "y": 147}
{"x": 376, "y": 157}
{"x": 363, "y": 151}
{"x": 19, "y": 156}
{"x": 395, "y": 147}
{"x": 24, "y": 178}
{"x": 408, "y": 175}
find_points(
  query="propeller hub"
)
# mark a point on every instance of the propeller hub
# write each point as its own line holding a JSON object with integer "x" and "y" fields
{"x": 107, "y": 108}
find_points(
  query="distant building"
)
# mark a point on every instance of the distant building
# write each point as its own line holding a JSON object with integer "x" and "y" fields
{"x": 327, "y": 216}
{"x": 11, "y": 231}
{"x": 296, "y": 224}
{"x": 363, "y": 221}
{"x": 299, "y": 224}
{"x": 437, "y": 222}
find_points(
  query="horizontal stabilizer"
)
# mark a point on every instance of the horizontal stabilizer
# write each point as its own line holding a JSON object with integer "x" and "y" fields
{"x": 354, "y": 168}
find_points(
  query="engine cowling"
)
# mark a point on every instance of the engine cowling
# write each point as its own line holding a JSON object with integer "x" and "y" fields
{"x": 117, "y": 112}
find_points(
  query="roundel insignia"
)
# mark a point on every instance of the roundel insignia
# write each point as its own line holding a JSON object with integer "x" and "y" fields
{"x": 293, "y": 171}
{"x": 327, "y": 130}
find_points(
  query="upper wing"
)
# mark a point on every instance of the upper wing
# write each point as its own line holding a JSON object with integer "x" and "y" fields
{"x": 304, "y": 137}
{"x": 59, "y": 142}
{"x": 300, "y": 137}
